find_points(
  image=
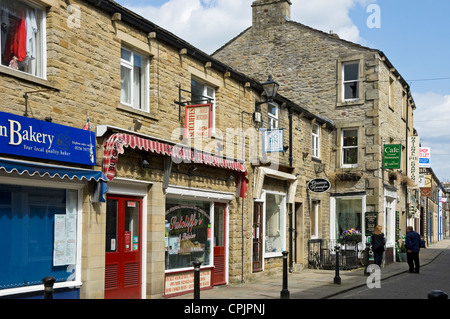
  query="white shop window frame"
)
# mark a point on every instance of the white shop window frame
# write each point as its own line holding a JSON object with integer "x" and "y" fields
{"x": 194, "y": 194}
{"x": 282, "y": 222}
{"x": 75, "y": 185}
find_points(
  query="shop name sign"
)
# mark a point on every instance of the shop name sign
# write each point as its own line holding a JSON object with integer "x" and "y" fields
{"x": 29, "y": 137}
{"x": 392, "y": 155}
{"x": 273, "y": 140}
{"x": 319, "y": 185}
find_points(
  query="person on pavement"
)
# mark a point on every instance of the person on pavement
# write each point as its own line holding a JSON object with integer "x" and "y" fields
{"x": 412, "y": 245}
{"x": 378, "y": 242}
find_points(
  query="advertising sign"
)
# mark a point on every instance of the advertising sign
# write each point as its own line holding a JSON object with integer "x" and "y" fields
{"x": 198, "y": 120}
{"x": 424, "y": 157}
{"x": 29, "y": 137}
{"x": 319, "y": 185}
{"x": 392, "y": 156}
{"x": 273, "y": 140}
{"x": 413, "y": 159}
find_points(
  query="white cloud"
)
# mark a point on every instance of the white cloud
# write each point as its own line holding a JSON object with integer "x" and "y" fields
{"x": 431, "y": 119}
{"x": 209, "y": 24}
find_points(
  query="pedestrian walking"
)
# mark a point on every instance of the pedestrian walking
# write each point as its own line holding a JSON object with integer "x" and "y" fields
{"x": 378, "y": 242}
{"x": 412, "y": 245}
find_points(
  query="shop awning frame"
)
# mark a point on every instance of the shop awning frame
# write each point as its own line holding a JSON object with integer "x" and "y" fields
{"x": 61, "y": 172}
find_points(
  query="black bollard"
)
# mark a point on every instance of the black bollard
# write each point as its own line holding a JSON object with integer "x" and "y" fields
{"x": 366, "y": 261}
{"x": 437, "y": 294}
{"x": 337, "y": 279}
{"x": 196, "y": 264}
{"x": 285, "y": 292}
{"x": 48, "y": 282}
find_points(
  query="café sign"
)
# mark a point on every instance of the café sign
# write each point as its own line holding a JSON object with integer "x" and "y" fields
{"x": 29, "y": 137}
{"x": 391, "y": 156}
{"x": 319, "y": 185}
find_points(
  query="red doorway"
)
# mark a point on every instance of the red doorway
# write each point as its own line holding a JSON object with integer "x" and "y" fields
{"x": 123, "y": 248}
{"x": 219, "y": 274}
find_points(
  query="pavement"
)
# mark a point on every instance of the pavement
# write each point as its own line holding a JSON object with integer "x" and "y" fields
{"x": 313, "y": 283}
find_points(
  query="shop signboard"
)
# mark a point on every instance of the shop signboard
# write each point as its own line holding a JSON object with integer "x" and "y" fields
{"x": 319, "y": 185}
{"x": 413, "y": 153}
{"x": 392, "y": 155}
{"x": 24, "y": 136}
{"x": 273, "y": 140}
{"x": 198, "y": 121}
{"x": 371, "y": 220}
{"x": 424, "y": 157}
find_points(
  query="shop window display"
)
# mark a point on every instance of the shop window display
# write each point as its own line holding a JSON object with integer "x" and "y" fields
{"x": 38, "y": 235}
{"x": 188, "y": 233}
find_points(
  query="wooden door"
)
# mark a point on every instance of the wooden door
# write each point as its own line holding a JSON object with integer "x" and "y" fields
{"x": 219, "y": 275}
{"x": 257, "y": 237}
{"x": 123, "y": 248}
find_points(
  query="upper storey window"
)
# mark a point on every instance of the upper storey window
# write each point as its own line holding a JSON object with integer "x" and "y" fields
{"x": 351, "y": 81}
{"x": 134, "y": 80}
{"x": 22, "y": 35}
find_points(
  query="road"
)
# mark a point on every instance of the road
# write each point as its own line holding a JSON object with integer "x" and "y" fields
{"x": 434, "y": 276}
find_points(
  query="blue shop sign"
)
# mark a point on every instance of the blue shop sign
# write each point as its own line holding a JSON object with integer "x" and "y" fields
{"x": 29, "y": 137}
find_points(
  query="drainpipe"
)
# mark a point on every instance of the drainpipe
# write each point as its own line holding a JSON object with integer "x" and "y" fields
{"x": 291, "y": 229}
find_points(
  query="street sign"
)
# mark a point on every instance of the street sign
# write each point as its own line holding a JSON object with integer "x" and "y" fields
{"x": 392, "y": 155}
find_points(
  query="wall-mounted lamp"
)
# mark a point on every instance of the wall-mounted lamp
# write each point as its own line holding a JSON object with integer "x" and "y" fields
{"x": 191, "y": 170}
{"x": 270, "y": 89}
{"x": 145, "y": 164}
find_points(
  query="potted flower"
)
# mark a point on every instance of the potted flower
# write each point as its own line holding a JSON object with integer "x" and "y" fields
{"x": 350, "y": 236}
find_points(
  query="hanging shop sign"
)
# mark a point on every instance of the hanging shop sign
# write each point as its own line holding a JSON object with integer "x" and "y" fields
{"x": 319, "y": 185}
{"x": 273, "y": 140}
{"x": 413, "y": 159}
{"x": 392, "y": 155}
{"x": 424, "y": 157}
{"x": 198, "y": 120}
{"x": 29, "y": 137}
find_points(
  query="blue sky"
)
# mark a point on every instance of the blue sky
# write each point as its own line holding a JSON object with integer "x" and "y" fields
{"x": 412, "y": 33}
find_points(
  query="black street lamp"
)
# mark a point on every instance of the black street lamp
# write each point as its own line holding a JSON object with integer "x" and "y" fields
{"x": 270, "y": 89}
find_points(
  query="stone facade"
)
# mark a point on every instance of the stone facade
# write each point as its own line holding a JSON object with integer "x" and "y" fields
{"x": 309, "y": 65}
{"x": 83, "y": 79}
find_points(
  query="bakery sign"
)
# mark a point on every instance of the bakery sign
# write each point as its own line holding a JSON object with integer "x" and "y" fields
{"x": 198, "y": 120}
{"x": 24, "y": 136}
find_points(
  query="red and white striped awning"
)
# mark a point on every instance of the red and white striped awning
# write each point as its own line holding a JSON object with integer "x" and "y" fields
{"x": 116, "y": 143}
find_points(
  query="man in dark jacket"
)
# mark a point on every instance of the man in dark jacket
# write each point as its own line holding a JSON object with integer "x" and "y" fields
{"x": 412, "y": 245}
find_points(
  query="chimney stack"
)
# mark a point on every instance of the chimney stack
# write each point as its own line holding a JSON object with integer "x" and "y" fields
{"x": 271, "y": 12}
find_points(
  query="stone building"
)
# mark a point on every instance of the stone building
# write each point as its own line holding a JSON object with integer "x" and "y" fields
{"x": 355, "y": 86}
{"x": 127, "y": 154}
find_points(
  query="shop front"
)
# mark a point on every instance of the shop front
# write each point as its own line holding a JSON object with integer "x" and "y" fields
{"x": 41, "y": 205}
{"x": 190, "y": 199}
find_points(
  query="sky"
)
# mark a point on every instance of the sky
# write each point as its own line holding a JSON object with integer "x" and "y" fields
{"x": 412, "y": 33}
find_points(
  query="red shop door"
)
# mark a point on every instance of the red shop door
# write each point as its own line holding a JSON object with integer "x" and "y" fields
{"x": 123, "y": 248}
{"x": 219, "y": 244}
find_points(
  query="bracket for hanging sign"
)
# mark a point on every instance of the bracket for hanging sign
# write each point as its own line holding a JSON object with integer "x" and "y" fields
{"x": 204, "y": 99}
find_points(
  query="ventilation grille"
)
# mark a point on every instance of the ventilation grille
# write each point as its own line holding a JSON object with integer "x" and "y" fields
{"x": 111, "y": 276}
{"x": 131, "y": 274}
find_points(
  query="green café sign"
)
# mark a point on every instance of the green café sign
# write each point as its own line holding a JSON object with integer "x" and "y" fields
{"x": 391, "y": 156}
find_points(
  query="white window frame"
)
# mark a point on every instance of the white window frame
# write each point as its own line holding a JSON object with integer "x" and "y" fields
{"x": 282, "y": 224}
{"x": 344, "y": 82}
{"x": 333, "y": 212}
{"x": 207, "y": 95}
{"x": 273, "y": 117}
{"x": 315, "y": 217}
{"x": 349, "y": 147}
{"x": 315, "y": 140}
{"x": 145, "y": 104}
{"x": 41, "y": 48}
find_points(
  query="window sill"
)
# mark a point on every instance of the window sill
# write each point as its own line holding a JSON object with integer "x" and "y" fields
{"x": 351, "y": 102}
{"x": 28, "y": 77}
{"x": 129, "y": 109}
